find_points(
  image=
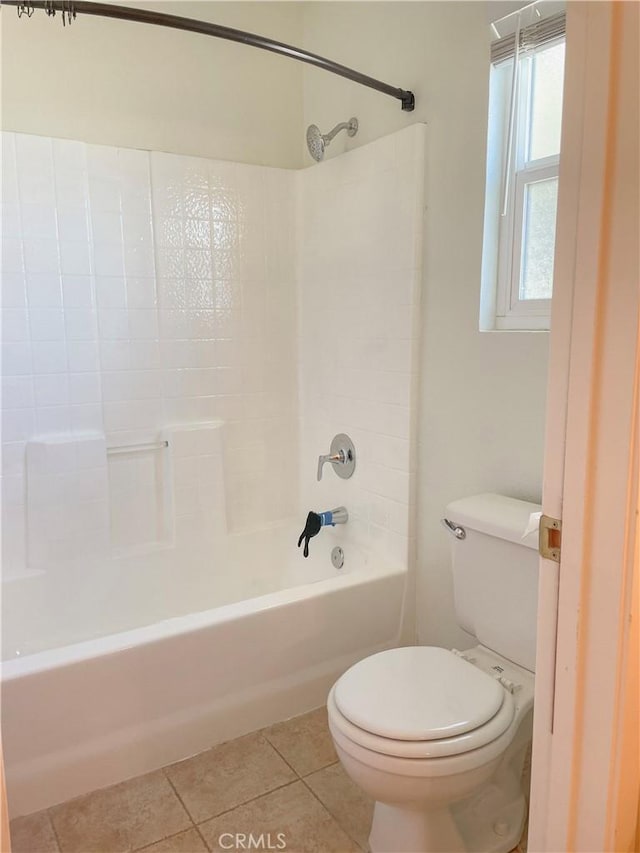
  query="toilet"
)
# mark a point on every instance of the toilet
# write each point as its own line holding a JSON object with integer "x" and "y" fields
{"x": 437, "y": 737}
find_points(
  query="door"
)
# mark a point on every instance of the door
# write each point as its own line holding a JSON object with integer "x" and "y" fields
{"x": 584, "y": 794}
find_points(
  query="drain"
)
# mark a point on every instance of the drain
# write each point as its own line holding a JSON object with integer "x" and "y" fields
{"x": 337, "y": 557}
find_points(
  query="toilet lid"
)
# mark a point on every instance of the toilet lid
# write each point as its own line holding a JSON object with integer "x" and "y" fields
{"x": 417, "y": 693}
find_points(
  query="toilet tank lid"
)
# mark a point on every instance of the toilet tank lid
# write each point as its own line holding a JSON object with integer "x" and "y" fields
{"x": 497, "y": 515}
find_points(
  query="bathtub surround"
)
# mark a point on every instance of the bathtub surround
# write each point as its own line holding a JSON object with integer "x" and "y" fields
{"x": 157, "y": 298}
{"x": 182, "y": 339}
{"x": 141, "y": 292}
{"x": 360, "y": 221}
{"x": 225, "y": 266}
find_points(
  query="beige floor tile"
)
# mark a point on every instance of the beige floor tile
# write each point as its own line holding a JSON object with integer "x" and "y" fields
{"x": 306, "y": 826}
{"x": 304, "y": 742}
{"x": 348, "y": 804}
{"x": 33, "y": 834}
{"x": 121, "y": 818}
{"x": 185, "y": 842}
{"x": 228, "y": 775}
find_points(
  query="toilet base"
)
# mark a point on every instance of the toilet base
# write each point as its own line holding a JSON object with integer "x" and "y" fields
{"x": 400, "y": 830}
{"x": 490, "y": 822}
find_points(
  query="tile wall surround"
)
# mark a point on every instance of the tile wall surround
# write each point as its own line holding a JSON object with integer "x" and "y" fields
{"x": 134, "y": 299}
{"x": 248, "y": 311}
{"x": 360, "y": 218}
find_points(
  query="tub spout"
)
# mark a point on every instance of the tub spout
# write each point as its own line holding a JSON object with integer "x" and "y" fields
{"x": 317, "y": 520}
{"x": 339, "y": 515}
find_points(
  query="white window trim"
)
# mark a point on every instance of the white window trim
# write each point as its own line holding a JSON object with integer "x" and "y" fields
{"x": 511, "y": 311}
{"x": 501, "y": 279}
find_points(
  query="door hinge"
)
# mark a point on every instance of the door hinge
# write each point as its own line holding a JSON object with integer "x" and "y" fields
{"x": 550, "y": 538}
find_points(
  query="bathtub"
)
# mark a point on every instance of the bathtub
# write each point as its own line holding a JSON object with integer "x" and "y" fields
{"x": 231, "y": 644}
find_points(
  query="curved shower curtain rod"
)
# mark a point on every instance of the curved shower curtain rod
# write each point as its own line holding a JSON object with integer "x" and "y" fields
{"x": 69, "y": 9}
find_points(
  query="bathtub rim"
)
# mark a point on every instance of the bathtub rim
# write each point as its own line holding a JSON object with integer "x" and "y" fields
{"x": 76, "y": 653}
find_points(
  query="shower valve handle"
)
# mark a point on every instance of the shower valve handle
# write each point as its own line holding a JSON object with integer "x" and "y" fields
{"x": 334, "y": 458}
{"x": 342, "y": 455}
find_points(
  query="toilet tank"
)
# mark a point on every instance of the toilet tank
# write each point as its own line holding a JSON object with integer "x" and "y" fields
{"x": 495, "y": 574}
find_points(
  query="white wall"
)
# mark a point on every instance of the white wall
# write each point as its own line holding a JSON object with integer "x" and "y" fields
{"x": 482, "y": 394}
{"x": 131, "y": 85}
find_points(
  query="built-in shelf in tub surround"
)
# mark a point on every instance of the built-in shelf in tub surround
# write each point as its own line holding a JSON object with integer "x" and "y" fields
{"x": 140, "y": 495}
{"x": 168, "y": 491}
{"x": 92, "y": 496}
{"x": 196, "y": 454}
{"x": 67, "y": 499}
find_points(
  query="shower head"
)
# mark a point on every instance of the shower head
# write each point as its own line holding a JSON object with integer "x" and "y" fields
{"x": 317, "y": 141}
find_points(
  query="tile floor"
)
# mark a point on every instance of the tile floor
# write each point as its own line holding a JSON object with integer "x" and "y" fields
{"x": 283, "y": 779}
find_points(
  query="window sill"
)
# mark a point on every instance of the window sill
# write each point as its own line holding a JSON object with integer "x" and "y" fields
{"x": 527, "y": 323}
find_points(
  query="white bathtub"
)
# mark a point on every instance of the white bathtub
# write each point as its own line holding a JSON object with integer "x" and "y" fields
{"x": 256, "y": 640}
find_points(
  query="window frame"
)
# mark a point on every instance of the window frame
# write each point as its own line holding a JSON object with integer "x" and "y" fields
{"x": 510, "y": 312}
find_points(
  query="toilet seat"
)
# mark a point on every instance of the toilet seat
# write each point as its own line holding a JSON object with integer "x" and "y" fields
{"x": 441, "y": 748}
{"x": 419, "y": 702}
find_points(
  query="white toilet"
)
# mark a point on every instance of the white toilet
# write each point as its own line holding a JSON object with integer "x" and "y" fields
{"x": 439, "y": 738}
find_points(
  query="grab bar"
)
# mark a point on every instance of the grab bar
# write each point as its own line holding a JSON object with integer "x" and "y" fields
{"x": 139, "y": 447}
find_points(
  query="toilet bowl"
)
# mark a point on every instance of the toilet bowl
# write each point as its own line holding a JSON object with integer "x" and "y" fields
{"x": 438, "y": 740}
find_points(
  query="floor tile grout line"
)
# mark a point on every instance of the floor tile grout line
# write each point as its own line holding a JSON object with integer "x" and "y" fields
{"x": 246, "y": 802}
{"x": 204, "y": 840}
{"x": 243, "y": 802}
{"x": 320, "y": 769}
{"x": 277, "y": 751}
{"x": 166, "y": 838}
{"x": 54, "y": 830}
{"x": 171, "y": 834}
{"x": 180, "y": 800}
{"x": 299, "y": 775}
{"x": 326, "y": 807}
{"x": 49, "y": 809}
{"x": 193, "y": 820}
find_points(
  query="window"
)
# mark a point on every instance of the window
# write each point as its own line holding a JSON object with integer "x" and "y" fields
{"x": 525, "y": 113}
